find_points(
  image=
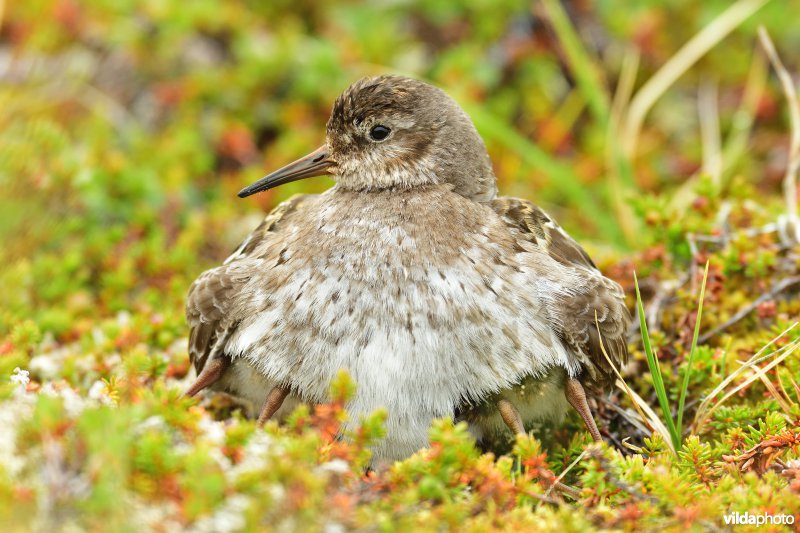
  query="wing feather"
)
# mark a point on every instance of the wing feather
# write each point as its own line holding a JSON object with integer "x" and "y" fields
{"x": 574, "y": 306}
{"x": 212, "y": 295}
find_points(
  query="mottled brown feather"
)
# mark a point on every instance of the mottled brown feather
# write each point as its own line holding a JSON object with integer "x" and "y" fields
{"x": 573, "y": 316}
{"x": 207, "y": 306}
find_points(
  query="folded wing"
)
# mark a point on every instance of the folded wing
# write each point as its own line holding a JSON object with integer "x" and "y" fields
{"x": 584, "y": 306}
{"x": 215, "y": 296}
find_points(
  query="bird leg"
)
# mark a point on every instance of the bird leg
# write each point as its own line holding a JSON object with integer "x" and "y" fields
{"x": 208, "y": 376}
{"x": 576, "y": 397}
{"x": 513, "y": 420}
{"x": 511, "y": 417}
{"x": 272, "y": 404}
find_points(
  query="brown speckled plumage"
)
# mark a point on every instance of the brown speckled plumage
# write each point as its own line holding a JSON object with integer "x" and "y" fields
{"x": 574, "y": 317}
{"x": 436, "y": 296}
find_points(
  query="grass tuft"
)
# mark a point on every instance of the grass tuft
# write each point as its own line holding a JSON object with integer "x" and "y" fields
{"x": 685, "y": 386}
{"x": 655, "y": 371}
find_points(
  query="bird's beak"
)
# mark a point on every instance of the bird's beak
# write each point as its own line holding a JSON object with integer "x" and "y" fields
{"x": 316, "y": 163}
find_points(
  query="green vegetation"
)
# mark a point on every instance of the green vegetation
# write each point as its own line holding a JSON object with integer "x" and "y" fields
{"x": 659, "y": 133}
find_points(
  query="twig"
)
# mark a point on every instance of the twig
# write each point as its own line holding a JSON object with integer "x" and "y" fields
{"x": 779, "y": 227}
{"x": 541, "y": 498}
{"x": 663, "y": 292}
{"x": 775, "y": 291}
{"x": 790, "y": 225}
{"x": 564, "y": 473}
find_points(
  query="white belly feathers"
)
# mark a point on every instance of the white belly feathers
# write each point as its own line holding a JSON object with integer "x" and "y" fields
{"x": 423, "y": 317}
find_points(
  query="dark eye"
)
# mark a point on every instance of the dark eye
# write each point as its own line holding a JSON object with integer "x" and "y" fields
{"x": 379, "y": 133}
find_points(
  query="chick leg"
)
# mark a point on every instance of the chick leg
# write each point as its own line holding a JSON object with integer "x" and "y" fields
{"x": 576, "y": 397}
{"x": 208, "y": 376}
{"x": 511, "y": 417}
{"x": 273, "y": 402}
{"x": 513, "y": 420}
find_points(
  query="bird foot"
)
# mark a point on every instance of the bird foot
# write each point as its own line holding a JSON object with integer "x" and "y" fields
{"x": 576, "y": 397}
{"x": 210, "y": 374}
{"x": 511, "y": 417}
{"x": 273, "y": 402}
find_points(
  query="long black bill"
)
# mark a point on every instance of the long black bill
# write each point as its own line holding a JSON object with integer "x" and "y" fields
{"x": 316, "y": 163}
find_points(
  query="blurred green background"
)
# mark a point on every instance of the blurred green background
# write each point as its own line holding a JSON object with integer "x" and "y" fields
{"x": 126, "y": 127}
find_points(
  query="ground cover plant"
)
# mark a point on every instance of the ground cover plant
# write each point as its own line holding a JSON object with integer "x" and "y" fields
{"x": 664, "y": 135}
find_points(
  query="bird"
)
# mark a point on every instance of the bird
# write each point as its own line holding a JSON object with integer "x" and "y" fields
{"x": 438, "y": 297}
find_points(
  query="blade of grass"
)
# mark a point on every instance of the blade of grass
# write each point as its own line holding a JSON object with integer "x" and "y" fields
{"x": 703, "y": 411}
{"x": 644, "y": 411}
{"x": 710, "y": 137}
{"x": 587, "y": 75}
{"x": 784, "y": 352}
{"x": 786, "y": 406}
{"x": 744, "y": 117}
{"x": 679, "y": 63}
{"x": 735, "y": 145}
{"x": 581, "y": 65}
{"x": 655, "y": 370}
{"x": 568, "y": 113}
{"x": 685, "y": 385}
{"x": 787, "y": 397}
{"x": 795, "y": 386}
{"x": 633, "y": 417}
{"x": 621, "y": 182}
{"x": 653, "y": 419}
{"x": 564, "y": 119}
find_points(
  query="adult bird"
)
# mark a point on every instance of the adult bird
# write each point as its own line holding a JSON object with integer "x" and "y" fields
{"x": 435, "y": 295}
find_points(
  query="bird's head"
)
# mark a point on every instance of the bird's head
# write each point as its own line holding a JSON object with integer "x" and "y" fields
{"x": 395, "y": 132}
